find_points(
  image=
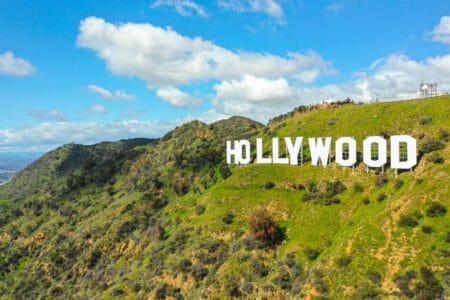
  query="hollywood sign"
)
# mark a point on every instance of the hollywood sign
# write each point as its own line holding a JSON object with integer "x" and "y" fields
{"x": 403, "y": 151}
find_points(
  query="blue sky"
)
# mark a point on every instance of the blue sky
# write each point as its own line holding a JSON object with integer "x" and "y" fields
{"x": 88, "y": 71}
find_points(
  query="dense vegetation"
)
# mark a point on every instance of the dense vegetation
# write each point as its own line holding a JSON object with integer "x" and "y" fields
{"x": 168, "y": 218}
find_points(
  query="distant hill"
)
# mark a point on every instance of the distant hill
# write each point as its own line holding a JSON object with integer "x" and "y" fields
{"x": 168, "y": 218}
{"x": 11, "y": 163}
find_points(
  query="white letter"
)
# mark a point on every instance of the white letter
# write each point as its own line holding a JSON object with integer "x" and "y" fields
{"x": 276, "y": 156}
{"x": 411, "y": 159}
{"x": 233, "y": 152}
{"x": 259, "y": 153}
{"x": 367, "y": 151}
{"x": 351, "y": 160}
{"x": 293, "y": 150}
{"x": 236, "y": 152}
{"x": 245, "y": 144}
{"x": 319, "y": 150}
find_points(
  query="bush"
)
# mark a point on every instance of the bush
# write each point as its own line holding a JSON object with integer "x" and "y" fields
{"x": 398, "y": 184}
{"x": 311, "y": 253}
{"x": 199, "y": 210}
{"x": 444, "y": 135}
{"x": 344, "y": 261}
{"x": 199, "y": 272}
{"x": 436, "y": 209}
{"x": 436, "y": 158}
{"x": 283, "y": 280}
{"x": 447, "y": 237}
{"x": 263, "y": 227}
{"x": 228, "y": 218}
{"x": 427, "y": 229}
{"x": 375, "y": 277}
{"x": 366, "y": 201}
{"x": 259, "y": 267}
{"x": 269, "y": 185}
{"x": 326, "y": 192}
{"x": 224, "y": 170}
{"x": 407, "y": 221}
{"x": 430, "y": 145}
{"x": 381, "y": 179}
{"x": 358, "y": 188}
{"x": 429, "y": 287}
{"x": 425, "y": 120}
{"x": 381, "y": 197}
{"x": 117, "y": 292}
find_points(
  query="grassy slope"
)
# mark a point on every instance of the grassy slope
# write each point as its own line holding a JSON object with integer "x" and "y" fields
{"x": 138, "y": 264}
{"x": 369, "y": 233}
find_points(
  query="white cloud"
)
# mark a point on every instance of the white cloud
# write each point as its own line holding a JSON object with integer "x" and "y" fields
{"x": 46, "y": 136}
{"x": 392, "y": 78}
{"x": 183, "y": 7}
{"x": 441, "y": 33}
{"x": 97, "y": 109}
{"x": 268, "y": 7}
{"x": 335, "y": 7}
{"x": 14, "y": 66}
{"x": 163, "y": 57}
{"x": 109, "y": 95}
{"x": 176, "y": 97}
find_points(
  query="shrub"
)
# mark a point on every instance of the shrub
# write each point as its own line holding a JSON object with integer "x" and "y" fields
{"x": 344, "y": 261}
{"x": 381, "y": 197}
{"x": 232, "y": 287}
{"x": 228, "y": 218}
{"x": 427, "y": 229}
{"x": 269, "y": 185}
{"x": 407, "y": 221}
{"x": 447, "y": 237}
{"x": 184, "y": 265}
{"x": 263, "y": 227}
{"x": 436, "y": 209}
{"x": 375, "y": 277}
{"x": 430, "y": 145}
{"x": 358, "y": 188}
{"x": 425, "y": 120}
{"x": 326, "y": 192}
{"x": 259, "y": 267}
{"x": 366, "y": 201}
{"x": 429, "y": 287}
{"x": 398, "y": 184}
{"x": 381, "y": 179}
{"x": 115, "y": 292}
{"x": 199, "y": 210}
{"x": 283, "y": 280}
{"x": 311, "y": 253}
{"x": 199, "y": 272}
{"x": 444, "y": 134}
{"x": 224, "y": 170}
{"x": 436, "y": 158}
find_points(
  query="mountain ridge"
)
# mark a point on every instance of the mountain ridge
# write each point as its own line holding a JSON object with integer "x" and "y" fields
{"x": 168, "y": 218}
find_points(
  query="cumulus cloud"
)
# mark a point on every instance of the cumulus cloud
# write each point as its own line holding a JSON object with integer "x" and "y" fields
{"x": 441, "y": 33}
{"x": 268, "y": 7}
{"x": 97, "y": 109}
{"x": 183, "y": 7}
{"x": 15, "y": 66}
{"x": 109, "y": 95}
{"x": 176, "y": 97}
{"x": 46, "y": 136}
{"x": 163, "y": 57}
{"x": 394, "y": 77}
{"x": 335, "y": 7}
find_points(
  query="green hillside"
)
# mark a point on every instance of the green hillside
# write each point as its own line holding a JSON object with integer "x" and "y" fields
{"x": 168, "y": 218}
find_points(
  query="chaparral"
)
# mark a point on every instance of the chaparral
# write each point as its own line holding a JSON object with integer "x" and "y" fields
{"x": 403, "y": 151}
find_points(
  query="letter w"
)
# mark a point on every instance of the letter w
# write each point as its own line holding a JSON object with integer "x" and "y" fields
{"x": 319, "y": 151}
